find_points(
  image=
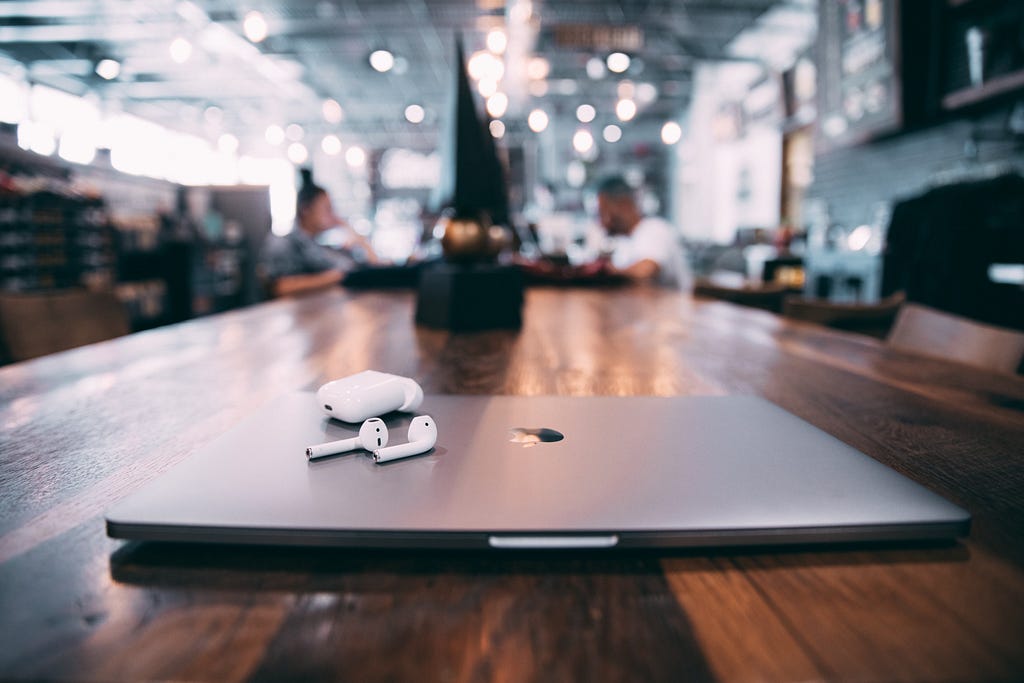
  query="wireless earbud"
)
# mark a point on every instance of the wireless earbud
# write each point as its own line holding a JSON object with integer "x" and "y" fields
{"x": 372, "y": 436}
{"x": 422, "y": 437}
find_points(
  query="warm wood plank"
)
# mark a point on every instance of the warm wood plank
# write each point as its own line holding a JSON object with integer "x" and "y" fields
{"x": 66, "y": 615}
{"x": 743, "y": 636}
{"x": 900, "y": 615}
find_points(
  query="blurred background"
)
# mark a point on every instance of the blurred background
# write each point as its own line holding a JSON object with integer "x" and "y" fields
{"x": 148, "y": 147}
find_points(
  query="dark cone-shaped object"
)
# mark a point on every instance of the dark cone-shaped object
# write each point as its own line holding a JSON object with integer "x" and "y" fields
{"x": 467, "y": 293}
{"x": 472, "y": 176}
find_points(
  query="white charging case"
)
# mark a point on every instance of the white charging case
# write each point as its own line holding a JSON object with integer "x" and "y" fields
{"x": 368, "y": 394}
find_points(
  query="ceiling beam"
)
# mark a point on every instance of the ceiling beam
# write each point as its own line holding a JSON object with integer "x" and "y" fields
{"x": 58, "y": 9}
{"x": 227, "y": 87}
{"x": 99, "y": 32}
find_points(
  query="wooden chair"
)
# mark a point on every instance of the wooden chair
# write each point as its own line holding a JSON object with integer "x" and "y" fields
{"x": 767, "y": 296}
{"x": 36, "y": 324}
{"x": 870, "y": 319}
{"x": 930, "y": 332}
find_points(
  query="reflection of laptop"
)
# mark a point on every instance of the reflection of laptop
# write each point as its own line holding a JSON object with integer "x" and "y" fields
{"x": 629, "y": 472}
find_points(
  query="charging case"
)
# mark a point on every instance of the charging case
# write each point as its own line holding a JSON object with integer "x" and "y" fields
{"x": 368, "y": 394}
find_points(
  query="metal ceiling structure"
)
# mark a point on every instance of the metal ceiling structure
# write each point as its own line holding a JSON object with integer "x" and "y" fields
{"x": 318, "y": 49}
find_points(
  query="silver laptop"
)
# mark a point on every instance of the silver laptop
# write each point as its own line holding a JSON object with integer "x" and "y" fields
{"x": 540, "y": 472}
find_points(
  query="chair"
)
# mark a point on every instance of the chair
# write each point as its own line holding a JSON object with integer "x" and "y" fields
{"x": 926, "y": 331}
{"x": 734, "y": 288}
{"x": 870, "y": 319}
{"x": 36, "y": 324}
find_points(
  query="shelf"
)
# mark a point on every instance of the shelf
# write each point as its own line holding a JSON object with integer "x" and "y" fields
{"x": 997, "y": 86}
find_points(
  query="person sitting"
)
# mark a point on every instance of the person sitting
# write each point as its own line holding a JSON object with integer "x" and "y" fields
{"x": 295, "y": 263}
{"x": 633, "y": 247}
{"x": 641, "y": 248}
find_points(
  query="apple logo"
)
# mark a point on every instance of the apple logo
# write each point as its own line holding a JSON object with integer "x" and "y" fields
{"x": 529, "y": 438}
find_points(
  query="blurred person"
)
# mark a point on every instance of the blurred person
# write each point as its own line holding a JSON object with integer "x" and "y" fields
{"x": 631, "y": 246}
{"x": 296, "y": 263}
{"x": 638, "y": 247}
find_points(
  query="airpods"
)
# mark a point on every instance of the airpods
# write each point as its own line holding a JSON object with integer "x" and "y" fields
{"x": 368, "y": 394}
{"x": 422, "y": 437}
{"x": 373, "y": 435}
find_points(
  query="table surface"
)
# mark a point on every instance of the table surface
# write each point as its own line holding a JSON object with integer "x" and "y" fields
{"x": 81, "y": 429}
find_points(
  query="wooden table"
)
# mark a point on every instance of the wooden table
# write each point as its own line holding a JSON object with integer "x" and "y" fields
{"x": 82, "y": 429}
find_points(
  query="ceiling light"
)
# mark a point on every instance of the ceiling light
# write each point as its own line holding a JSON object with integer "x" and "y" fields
{"x": 332, "y": 111}
{"x": 382, "y": 60}
{"x": 497, "y": 129}
{"x": 216, "y": 38}
{"x": 497, "y": 41}
{"x": 582, "y": 141}
{"x": 519, "y": 11}
{"x": 625, "y": 110}
{"x": 671, "y": 133}
{"x": 618, "y": 62}
{"x": 595, "y": 68}
{"x": 297, "y": 153}
{"x": 294, "y": 132}
{"x": 487, "y": 87}
{"x": 38, "y": 137}
{"x": 485, "y": 65}
{"x": 14, "y": 100}
{"x": 331, "y": 145}
{"x": 538, "y": 88}
{"x": 108, "y": 69}
{"x": 835, "y": 125}
{"x": 612, "y": 133}
{"x": 213, "y": 115}
{"x": 77, "y": 146}
{"x": 576, "y": 173}
{"x": 537, "y": 120}
{"x": 538, "y": 68}
{"x": 646, "y": 93}
{"x": 274, "y": 134}
{"x": 625, "y": 90}
{"x": 255, "y": 26}
{"x": 859, "y": 237}
{"x": 181, "y": 50}
{"x": 414, "y": 113}
{"x": 355, "y": 157}
{"x": 497, "y": 104}
{"x": 227, "y": 143}
{"x": 585, "y": 113}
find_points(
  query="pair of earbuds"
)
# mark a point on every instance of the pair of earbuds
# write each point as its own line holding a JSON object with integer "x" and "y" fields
{"x": 373, "y": 437}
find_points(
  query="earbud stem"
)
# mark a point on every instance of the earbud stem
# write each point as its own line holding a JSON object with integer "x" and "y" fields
{"x": 322, "y": 450}
{"x": 404, "y": 450}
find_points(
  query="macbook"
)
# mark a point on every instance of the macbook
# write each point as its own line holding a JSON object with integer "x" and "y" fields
{"x": 539, "y": 472}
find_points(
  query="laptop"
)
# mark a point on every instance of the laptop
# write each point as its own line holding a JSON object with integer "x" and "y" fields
{"x": 521, "y": 472}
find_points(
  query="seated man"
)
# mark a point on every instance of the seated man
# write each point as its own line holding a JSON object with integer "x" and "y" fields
{"x": 296, "y": 263}
{"x": 642, "y": 247}
{"x": 635, "y": 247}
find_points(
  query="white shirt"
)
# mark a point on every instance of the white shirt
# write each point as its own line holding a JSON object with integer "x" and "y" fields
{"x": 655, "y": 239}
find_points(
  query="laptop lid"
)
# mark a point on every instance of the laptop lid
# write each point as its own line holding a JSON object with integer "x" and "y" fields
{"x": 629, "y": 472}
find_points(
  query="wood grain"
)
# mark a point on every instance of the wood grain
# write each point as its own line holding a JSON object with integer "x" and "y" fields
{"x": 81, "y": 429}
